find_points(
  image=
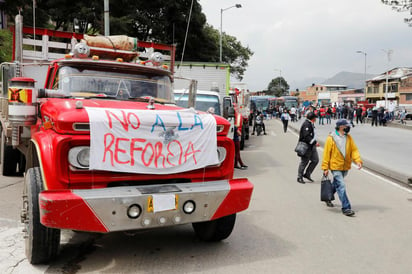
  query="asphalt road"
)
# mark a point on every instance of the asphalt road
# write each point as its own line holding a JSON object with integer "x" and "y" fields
{"x": 286, "y": 229}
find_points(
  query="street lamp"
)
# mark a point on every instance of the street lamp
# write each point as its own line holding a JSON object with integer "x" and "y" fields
{"x": 388, "y": 53}
{"x": 280, "y": 76}
{"x": 221, "y": 17}
{"x": 364, "y": 74}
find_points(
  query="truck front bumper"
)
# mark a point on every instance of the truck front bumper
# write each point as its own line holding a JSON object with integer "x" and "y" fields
{"x": 141, "y": 207}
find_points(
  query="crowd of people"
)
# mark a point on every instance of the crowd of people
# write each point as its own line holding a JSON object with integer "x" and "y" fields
{"x": 358, "y": 114}
{"x": 340, "y": 149}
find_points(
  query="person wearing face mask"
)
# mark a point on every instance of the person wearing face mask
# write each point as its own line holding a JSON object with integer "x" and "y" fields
{"x": 339, "y": 152}
{"x": 310, "y": 160}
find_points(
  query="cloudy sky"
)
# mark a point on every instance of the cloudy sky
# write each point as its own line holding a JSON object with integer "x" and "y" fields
{"x": 307, "y": 39}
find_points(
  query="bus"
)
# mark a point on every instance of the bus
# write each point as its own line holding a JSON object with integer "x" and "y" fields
{"x": 259, "y": 103}
{"x": 284, "y": 101}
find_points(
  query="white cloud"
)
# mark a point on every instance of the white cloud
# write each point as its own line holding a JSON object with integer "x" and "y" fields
{"x": 313, "y": 38}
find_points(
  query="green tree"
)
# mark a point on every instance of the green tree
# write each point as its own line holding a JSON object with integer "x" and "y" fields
{"x": 233, "y": 53}
{"x": 63, "y": 13}
{"x": 278, "y": 87}
{"x": 6, "y": 46}
{"x": 161, "y": 21}
{"x": 166, "y": 22}
{"x": 401, "y": 6}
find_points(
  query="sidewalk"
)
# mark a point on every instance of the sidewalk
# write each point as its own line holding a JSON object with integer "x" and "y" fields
{"x": 384, "y": 150}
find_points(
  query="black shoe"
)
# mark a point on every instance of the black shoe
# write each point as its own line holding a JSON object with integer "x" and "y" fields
{"x": 329, "y": 204}
{"x": 348, "y": 212}
{"x": 300, "y": 180}
{"x": 264, "y": 133}
{"x": 238, "y": 167}
{"x": 253, "y": 133}
{"x": 244, "y": 166}
{"x": 308, "y": 177}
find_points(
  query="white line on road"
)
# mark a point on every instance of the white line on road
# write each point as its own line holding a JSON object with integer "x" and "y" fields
{"x": 387, "y": 181}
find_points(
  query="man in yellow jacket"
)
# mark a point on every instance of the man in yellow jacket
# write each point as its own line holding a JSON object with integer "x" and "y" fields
{"x": 339, "y": 153}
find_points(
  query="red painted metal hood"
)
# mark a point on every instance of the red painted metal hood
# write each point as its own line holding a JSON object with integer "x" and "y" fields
{"x": 65, "y": 113}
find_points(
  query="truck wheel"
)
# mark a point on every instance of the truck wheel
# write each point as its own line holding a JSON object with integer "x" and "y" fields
{"x": 216, "y": 230}
{"x": 10, "y": 159}
{"x": 42, "y": 243}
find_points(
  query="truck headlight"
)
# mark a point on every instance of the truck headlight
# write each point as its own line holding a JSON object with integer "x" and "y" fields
{"x": 220, "y": 128}
{"x": 79, "y": 157}
{"x": 221, "y": 154}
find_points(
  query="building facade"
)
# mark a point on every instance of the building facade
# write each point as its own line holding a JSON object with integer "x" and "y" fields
{"x": 330, "y": 94}
{"x": 398, "y": 90}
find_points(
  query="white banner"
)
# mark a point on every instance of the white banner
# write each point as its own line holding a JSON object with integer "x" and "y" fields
{"x": 151, "y": 141}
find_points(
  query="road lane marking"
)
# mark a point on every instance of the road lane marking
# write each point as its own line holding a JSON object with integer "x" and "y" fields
{"x": 387, "y": 180}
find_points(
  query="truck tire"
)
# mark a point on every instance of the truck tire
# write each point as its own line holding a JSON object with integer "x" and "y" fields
{"x": 216, "y": 230}
{"x": 10, "y": 160}
{"x": 258, "y": 130}
{"x": 42, "y": 243}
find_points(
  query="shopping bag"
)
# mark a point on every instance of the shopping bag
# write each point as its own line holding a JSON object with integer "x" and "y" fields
{"x": 327, "y": 190}
{"x": 301, "y": 148}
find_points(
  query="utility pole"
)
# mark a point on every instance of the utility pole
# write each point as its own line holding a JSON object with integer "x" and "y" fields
{"x": 388, "y": 53}
{"x": 106, "y": 18}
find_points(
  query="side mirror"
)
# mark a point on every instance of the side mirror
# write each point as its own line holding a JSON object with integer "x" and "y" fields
{"x": 231, "y": 112}
{"x": 227, "y": 105}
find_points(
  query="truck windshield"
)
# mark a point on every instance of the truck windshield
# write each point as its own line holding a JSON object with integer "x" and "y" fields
{"x": 88, "y": 83}
{"x": 203, "y": 102}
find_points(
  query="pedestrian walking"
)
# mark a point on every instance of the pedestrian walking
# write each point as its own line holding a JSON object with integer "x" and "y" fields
{"x": 309, "y": 161}
{"x": 328, "y": 114}
{"x": 236, "y": 139}
{"x": 322, "y": 114}
{"x": 375, "y": 116}
{"x": 402, "y": 116}
{"x": 292, "y": 114}
{"x": 381, "y": 113}
{"x": 351, "y": 114}
{"x": 339, "y": 152}
{"x": 285, "y": 118}
{"x": 359, "y": 116}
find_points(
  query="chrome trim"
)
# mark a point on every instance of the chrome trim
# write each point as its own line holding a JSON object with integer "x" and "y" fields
{"x": 81, "y": 126}
{"x": 221, "y": 153}
{"x": 220, "y": 128}
{"x": 73, "y": 154}
{"x": 208, "y": 196}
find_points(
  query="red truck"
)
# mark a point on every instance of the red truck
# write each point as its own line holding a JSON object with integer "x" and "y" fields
{"x": 103, "y": 148}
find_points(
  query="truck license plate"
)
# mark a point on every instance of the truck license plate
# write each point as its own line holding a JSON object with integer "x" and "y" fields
{"x": 162, "y": 202}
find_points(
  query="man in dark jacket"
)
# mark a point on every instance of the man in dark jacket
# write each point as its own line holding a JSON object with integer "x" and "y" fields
{"x": 309, "y": 161}
{"x": 375, "y": 116}
{"x": 359, "y": 117}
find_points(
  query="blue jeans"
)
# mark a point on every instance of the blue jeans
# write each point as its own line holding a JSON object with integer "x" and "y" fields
{"x": 340, "y": 188}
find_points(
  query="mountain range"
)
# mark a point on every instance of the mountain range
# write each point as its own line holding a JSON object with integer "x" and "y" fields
{"x": 349, "y": 79}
